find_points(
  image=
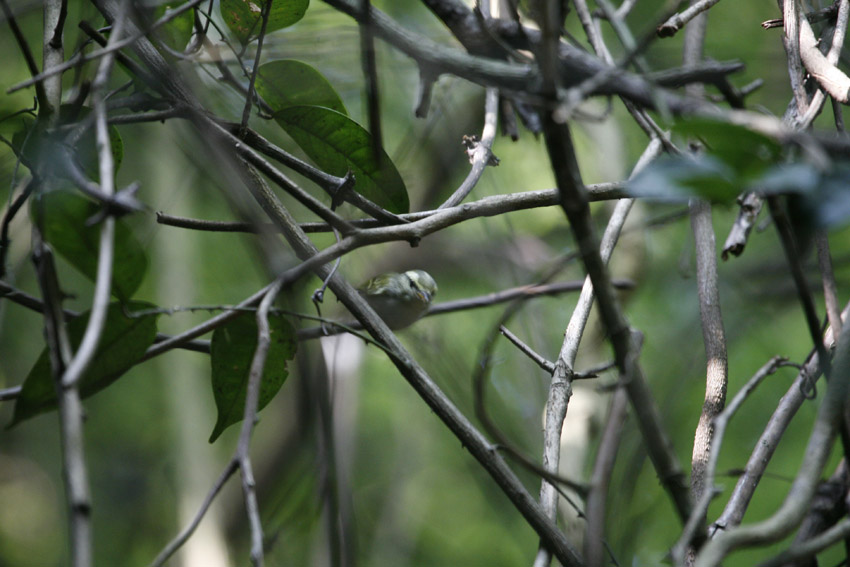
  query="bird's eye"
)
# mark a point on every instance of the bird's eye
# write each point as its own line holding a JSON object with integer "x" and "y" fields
{"x": 412, "y": 284}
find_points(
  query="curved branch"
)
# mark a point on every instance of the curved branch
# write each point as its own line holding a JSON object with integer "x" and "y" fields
{"x": 802, "y": 490}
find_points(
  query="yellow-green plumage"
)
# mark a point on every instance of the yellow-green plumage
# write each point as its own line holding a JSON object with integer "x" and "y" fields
{"x": 400, "y": 299}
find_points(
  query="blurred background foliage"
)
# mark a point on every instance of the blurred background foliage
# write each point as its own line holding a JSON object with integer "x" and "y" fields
{"x": 414, "y": 496}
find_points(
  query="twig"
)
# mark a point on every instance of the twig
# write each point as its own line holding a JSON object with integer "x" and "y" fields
{"x": 30, "y": 302}
{"x": 75, "y": 476}
{"x": 249, "y": 96}
{"x": 791, "y": 40}
{"x": 183, "y": 537}
{"x": 574, "y": 65}
{"x": 7, "y": 221}
{"x": 488, "y": 206}
{"x": 481, "y": 155}
{"x": 370, "y": 74}
{"x": 802, "y": 490}
{"x": 560, "y": 387}
{"x": 789, "y": 245}
{"x": 719, "y": 423}
{"x": 331, "y": 184}
{"x": 249, "y": 420}
{"x": 600, "y": 481}
{"x": 7, "y": 394}
{"x": 460, "y": 426}
{"x": 823, "y": 69}
{"x": 256, "y": 160}
{"x": 62, "y": 66}
{"x": 203, "y": 328}
{"x": 830, "y": 288}
{"x": 487, "y": 300}
{"x": 714, "y": 341}
{"x": 800, "y": 552}
{"x": 427, "y": 78}
{"x": 763, "y": 450}
{"x": 575, "y": 204}
{"x": 103, "y": 281}
{"x": 24, "y": 46}
{"x": 525, "y": 291}
{"x": 426, "y": 51}
{"x": 527, "y": 350}
{"x": 678, "y": 21}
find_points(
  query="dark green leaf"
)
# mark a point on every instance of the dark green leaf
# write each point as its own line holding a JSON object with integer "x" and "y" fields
{"x": 336, "y": 144}
{"x": 122, "y": 345}
{"x": 176, "y": 32}
{"x": 825, "y": 203}
{"x": 788, "y": 178}
{"x": 34, "y": 144}
{"x": 288, "y": 83}
{"x": 681, "y": 178}
{"x": 244, "y": 17}
{"x": 748, "y": 153}
{"x": 65, "y": 215}
{"x": 231, "y": 352}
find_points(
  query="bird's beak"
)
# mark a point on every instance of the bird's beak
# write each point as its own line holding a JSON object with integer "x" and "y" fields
{"x": 424, "y": 296}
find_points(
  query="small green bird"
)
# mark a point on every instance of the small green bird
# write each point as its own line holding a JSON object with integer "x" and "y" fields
{"x": 400, "y": 299}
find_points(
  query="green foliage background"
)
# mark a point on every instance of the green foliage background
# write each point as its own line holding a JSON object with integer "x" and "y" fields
{"x": 417, "y": 497}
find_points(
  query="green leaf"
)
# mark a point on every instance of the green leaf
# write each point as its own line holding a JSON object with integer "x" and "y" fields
{"x": 177, "y": 32}
{"x": 748, "y": 153}
{"x": 231, "y": 352}
{"x": 35, "y": 144}
{"x": 65, "y": 214}
{"x": 122, "y": 345}
{"x": 336, "y": 144}
{"x": 683, "y": 177}
{"x": 287, "y": 82}
{"x": 244, "y": 17}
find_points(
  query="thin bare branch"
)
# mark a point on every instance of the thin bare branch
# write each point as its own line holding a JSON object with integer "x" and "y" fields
{"x": 24, "y": 46}
{"x": 249, "y": 96}
{"x": 600, "y": 482}
{"x": 370, "y": 74}
{"x": 575, "y": 204}
{"x": 821, "y": 440}
{"x": 53, "y": 70}
{"x": 714, "y": 341}
{"x": 249, "y": 420}
{"x": 106, "y": 251}
{"x": 719, "y": 423}
{"x": 183, "y": 536}
{"x": 830, "y": 287}
{"x": 480, "y": 155}
{"x": 460, "y": 426}
{"x": 678, "y": 21}
{"x": 527, "y": 350}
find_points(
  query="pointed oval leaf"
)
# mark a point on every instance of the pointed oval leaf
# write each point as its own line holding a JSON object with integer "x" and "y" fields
{"x": 231, "y": 352}
{"x": 748, "y": 153}
{"x": 287, "y": 82}
{"x": 65, "y": 216}
{"x": 336, "y": 144}
{"x": 33, "y": 142}
{"x": 122, "y": 345}
{"x": 683, "y": 177}
{"x": 244, "y": 17}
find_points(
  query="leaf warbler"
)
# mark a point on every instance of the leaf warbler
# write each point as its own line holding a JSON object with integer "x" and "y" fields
{"x": 400, "y": 299}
